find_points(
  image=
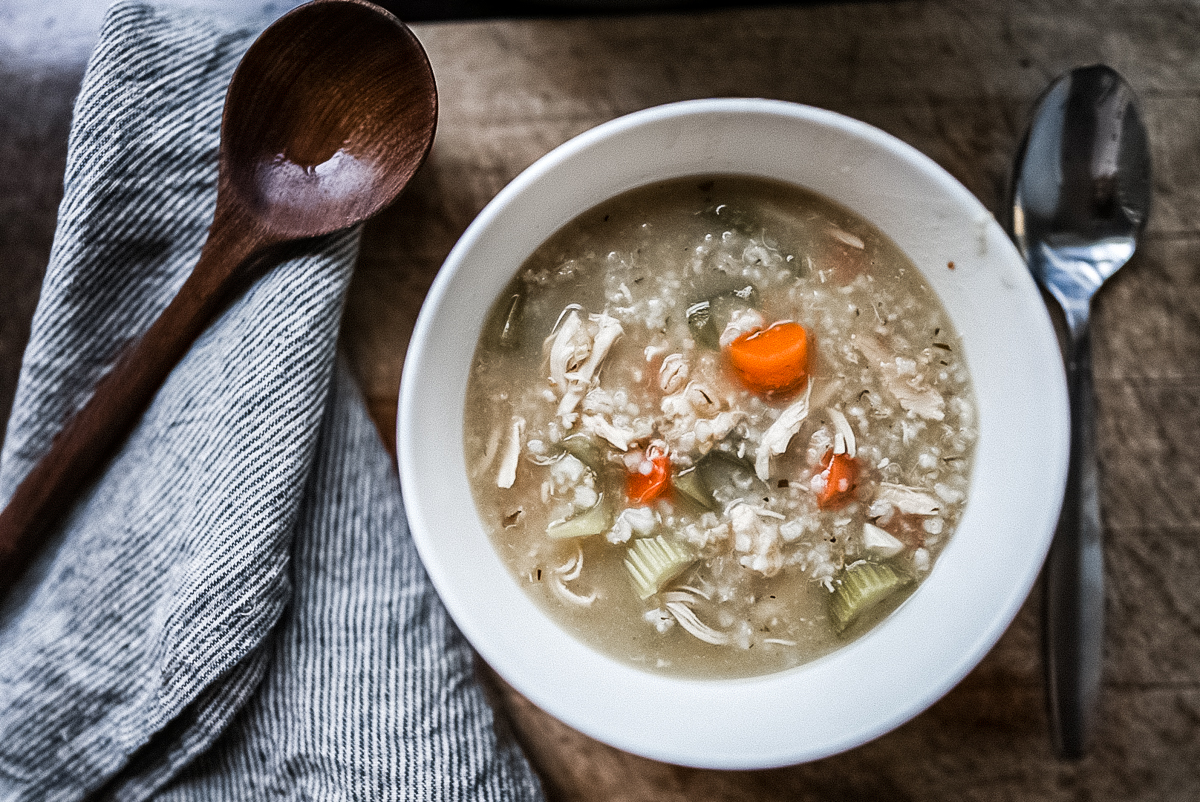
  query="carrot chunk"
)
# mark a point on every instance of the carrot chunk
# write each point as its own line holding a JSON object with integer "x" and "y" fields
{"x": 651, "y": 478}
{"x": 771, "y": 360}
{"x": 837, "y": 480}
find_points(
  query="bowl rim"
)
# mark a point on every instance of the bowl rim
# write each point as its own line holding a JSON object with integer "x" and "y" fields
{"x": 806, "y": 712}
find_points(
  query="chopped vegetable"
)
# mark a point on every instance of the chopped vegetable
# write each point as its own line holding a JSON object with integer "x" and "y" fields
{"x": 651, "y": 478}
{"x": 726, "y": 478}
{"x": 861, "y": 587}
{"x": 584, "y": 449}
{"x": 837, "y": 481}
{"x": 771, "y": 360}
{"x": 879, "y": 542}
{"x": 654, "y": 561}
{"x": 592, "y": 521}
{"x": 689, "y": 485}
{"x": 707, "y": 318}
{"x": 699, "y": 318}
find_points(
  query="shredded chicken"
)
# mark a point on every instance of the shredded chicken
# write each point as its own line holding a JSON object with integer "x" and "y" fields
{"x": 559, "y": 586}
{"x": 575, "y": 353}
{"x": 602, "y": 427}
{"x": 843, "y": 438}
{"x": 693, "y": 421}
{"x": 847, "y": 238}
{"x": 489, "y": 452}
{"x": 568, "y": 572}
{"x": 879, "y": 542}
{"x": 640, "y": 520}
{"x": 569, "y": 347}
{"x": 512, "y": 454}
{"x": 780, "y": 433}
{"x": 907, "y": 499}
{"x": 579, "y": 380}
{"x": 572, "y": 567}
{"x": 598, "y": 401}
{"x": 697, "y": 628}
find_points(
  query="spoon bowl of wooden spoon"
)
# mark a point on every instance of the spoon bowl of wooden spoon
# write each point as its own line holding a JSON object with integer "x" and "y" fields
{"x": 342, "y": 115}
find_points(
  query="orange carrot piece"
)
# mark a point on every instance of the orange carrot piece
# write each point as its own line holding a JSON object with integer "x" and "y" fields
{"x": 771, "y": 360}
{"x": 840, "y": 475}
{"x": 651, "y": 479}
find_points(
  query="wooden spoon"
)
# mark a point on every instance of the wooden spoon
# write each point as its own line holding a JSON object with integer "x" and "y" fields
{"x": 328, "y": 115}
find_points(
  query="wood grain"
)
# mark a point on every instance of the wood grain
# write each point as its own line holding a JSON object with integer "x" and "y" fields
{"x": 956, "y": 79}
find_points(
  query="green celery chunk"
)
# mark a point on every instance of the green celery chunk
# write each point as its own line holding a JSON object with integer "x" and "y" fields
{"x": 584, "y": 449}
{"x": 689, "y": 484}
{"x": 725, "y": 478}
{"x": 707, "y": 318}
{"x": 592, "y": 521}
{"x": 861, "y": 587}
{"x": 700, "y": 322}
{"x": 654, "y": 561}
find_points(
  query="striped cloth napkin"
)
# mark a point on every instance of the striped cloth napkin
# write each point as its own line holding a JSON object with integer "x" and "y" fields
{"x": 235, "y": 610}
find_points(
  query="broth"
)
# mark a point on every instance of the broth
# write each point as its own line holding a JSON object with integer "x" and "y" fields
{"x": 719, "y": 426}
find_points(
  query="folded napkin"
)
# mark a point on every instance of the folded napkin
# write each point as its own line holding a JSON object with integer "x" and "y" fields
{"x": 235, "y": 610}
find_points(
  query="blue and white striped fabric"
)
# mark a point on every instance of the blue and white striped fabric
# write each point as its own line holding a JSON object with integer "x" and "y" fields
{"x": 236, "y": 610}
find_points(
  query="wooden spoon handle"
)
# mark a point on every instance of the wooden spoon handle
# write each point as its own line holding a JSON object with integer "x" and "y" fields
{"x": 90, "y": 438}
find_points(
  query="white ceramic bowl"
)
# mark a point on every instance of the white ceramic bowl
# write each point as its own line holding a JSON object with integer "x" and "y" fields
{"x": 985, "y": 572}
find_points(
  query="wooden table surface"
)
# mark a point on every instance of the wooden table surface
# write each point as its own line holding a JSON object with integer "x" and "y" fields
{"x": 957, "y": 81}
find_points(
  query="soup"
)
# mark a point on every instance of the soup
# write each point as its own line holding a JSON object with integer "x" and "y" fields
{"x": 718, "y": 426}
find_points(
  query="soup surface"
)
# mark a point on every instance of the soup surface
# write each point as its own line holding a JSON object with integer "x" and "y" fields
{"x": 719, "y": 426}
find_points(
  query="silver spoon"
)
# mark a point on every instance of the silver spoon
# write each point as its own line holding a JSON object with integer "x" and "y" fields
{"x": 1081, "y": 196}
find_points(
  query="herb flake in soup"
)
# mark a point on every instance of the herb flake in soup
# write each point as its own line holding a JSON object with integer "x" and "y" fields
{"x": 719, "y": 426}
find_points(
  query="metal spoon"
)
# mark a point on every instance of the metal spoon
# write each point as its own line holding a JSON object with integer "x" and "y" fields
{"x": 1081, "y": 196}
{"x": 327, "y": 117}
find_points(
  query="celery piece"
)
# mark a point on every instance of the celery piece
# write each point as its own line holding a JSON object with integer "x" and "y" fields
{"x": 861, "y": 587}
{"x": 689, "y": 484}
{"x": 707, "y": 318}
{"x": 725, "y": 478}
{"x": 584, "y": 449}
{"x": 654, "y": 561}
{"x": 592, "y": 521}
{"x": 700, "y": 322}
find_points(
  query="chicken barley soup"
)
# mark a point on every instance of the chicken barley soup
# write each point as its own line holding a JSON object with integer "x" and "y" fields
{"x": 719, "y": 426}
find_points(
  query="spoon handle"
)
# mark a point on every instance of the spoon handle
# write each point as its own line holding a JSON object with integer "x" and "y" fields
{"x": 89, "y": 439}
{"x": 1074, "y": 572}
